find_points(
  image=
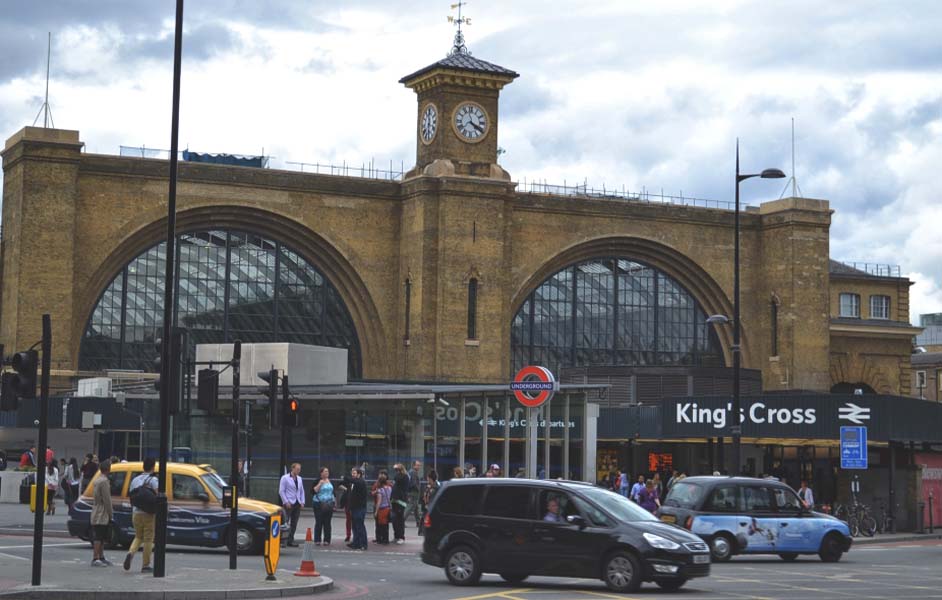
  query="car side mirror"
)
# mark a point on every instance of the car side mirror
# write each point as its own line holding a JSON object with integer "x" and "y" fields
{"x": 576, "y": 520}
{"x": 202, "y": 497}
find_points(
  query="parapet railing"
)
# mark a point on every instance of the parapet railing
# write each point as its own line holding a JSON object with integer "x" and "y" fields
{"x": 623, "y": 194}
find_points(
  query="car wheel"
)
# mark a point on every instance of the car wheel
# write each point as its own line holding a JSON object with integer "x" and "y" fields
{"x": 789, "y": 556}
{"x": 671, "y": 585}
{"x": 513, "y": 577}
{"x": 462, "y": 566}
{"x": 830, "y": 549}
{"x": 245, "y": 540}
{"x": 721, "y": 547}
{"x": 622, "y": 573}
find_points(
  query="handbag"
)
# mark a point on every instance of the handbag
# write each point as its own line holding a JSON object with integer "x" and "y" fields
{"x": 382, "y": 516}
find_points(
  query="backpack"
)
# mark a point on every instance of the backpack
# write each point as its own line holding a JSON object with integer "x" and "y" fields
{"x": 144, "y": 498}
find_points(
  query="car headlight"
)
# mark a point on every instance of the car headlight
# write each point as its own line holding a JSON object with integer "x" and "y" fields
{"x": 660, "y": 542}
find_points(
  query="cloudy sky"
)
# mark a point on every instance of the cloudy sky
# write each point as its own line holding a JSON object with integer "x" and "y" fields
{"x": 615, "y": 93}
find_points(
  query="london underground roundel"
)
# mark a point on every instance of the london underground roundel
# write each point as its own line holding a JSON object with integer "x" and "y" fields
{"x": 533, "y": 386}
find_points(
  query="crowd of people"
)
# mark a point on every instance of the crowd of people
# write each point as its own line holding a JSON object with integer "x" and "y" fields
{"x": 396, "y": 496}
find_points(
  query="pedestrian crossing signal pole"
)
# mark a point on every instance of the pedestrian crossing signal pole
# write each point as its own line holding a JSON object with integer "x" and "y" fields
{"x": 234, "y": 463}
{"x": 41, "y": 452}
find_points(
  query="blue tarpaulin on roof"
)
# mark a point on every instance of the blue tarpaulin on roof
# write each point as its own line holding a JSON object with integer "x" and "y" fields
{"x": 225, "y": 159}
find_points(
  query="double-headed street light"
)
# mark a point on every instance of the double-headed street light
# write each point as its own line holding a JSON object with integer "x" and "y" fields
{"x": 736, "y": 427}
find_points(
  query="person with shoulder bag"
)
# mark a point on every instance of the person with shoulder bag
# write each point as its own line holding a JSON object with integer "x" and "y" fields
{"x": 400, "y": 497}
{"x": 143, "y": 496}
{"x": 52, "y": 486}
{"x": 381, "y": 501}
{"x": 322, "y": 495}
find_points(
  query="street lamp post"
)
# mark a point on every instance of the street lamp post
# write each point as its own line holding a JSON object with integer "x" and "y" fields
{"x": 736, "y": 428}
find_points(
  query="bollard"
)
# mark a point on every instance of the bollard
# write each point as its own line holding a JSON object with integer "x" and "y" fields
{"x": 307, "y": 559}
{"x": 930, "y": 512}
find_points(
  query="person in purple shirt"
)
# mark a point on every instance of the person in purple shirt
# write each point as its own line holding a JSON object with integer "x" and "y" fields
{"x": 648, "y": 498}
{"x": 291, "y": 491}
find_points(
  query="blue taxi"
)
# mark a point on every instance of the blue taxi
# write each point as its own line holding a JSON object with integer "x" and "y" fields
{"x": 743, "y": 515}
{"x": 195, "y": 516}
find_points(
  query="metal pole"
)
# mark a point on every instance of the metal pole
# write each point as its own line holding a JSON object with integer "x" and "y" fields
{"x": 160, "y": 529}
{"x": 461, "y": 432}
{"x": 566, "y": 437}
{"x": 285, "y": 392}
{"x": 736, "y": 428}
{"x": 234, "y": 459}
{"x": 892, "y": 485}
{"x": 435, "y": 435}
{"x": 247, "y": 465}
{"x": 484, "y": 462}
{"x": 547, "y": 419}
{"x": 506, "y": 401}
{"x": 41, "y": 453}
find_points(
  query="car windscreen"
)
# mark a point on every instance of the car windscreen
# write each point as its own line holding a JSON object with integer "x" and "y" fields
{"x": 623, "y": 509}
{"x": 684, "y": 495}
{"x": 215, "y": 484}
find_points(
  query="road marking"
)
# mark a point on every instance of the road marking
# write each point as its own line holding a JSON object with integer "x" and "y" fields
{"x": 44, "y": 545}
{"x": 601, "y": 595}
{"x": 501, "y": 594}
{"x": 13, "y": 556}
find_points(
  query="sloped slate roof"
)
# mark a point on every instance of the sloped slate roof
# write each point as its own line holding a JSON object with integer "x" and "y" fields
{"x": 463, "y": 61}
{"x": 840, "y": 268}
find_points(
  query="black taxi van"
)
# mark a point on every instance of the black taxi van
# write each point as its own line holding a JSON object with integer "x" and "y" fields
{"x": 521, "y": 527}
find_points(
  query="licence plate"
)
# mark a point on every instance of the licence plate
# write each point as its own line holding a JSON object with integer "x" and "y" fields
{"x": 699, "y": 559}
{"x": 669, "y": 518}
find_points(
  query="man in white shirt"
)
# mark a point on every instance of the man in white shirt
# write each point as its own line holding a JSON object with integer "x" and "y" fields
{"x": 291, "y": 491}
{"x": 143, "y": 521}
{"x": 806, "y": 495}
{"x": 636, "y": 488}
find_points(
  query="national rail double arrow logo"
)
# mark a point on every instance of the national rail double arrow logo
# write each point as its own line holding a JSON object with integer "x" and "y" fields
{"x": 853, "y": 413}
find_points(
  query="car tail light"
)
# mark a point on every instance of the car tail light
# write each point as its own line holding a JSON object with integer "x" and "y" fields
{"x": 427, "y": 521}
{"x": 689, "y": 522}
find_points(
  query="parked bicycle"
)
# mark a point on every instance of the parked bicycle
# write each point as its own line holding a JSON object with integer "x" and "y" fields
{"x": 886, "y": 520}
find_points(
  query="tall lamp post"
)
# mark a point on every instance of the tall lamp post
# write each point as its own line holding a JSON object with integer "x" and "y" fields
{"x": 736, "y": 427}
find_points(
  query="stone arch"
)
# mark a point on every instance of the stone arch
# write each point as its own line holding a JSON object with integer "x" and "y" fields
{"x": 858, "y": 370}
{"x": 311, "y": 246}
{"x": 679, "y": 266}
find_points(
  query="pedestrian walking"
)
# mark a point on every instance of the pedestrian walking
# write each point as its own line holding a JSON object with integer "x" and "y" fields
{"x": 416, "y": 483}
{"x": 400, "y": 497}
{"x": 52, "y": 486}
{"x": 102, "y": 515}
{"x": 143, "y": 485}
{"x": 323, "y": 497}
{"x": 382, "y": 501}
{"x": 344, "y": 502}
{"x": 291, "y": 492}
{"x": 74, "y": 477}
{"x": 28, "y": 459}
{"x": 648, "y": 498}
{"x": 636, "y": 488}
{"x": 658, "y": 485}
{"x": 624, "y": 485}
{"x": 357, "y": 502}
{"x": 431, "y": 488}
{"x": 89, "y": 468}
{"x": 672, "y": 479}
{"x": 806, "y": 495}
{"x": 457, "y": 473}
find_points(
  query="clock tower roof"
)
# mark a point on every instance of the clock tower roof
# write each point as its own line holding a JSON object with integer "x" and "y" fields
{"x": 460, "y": 61}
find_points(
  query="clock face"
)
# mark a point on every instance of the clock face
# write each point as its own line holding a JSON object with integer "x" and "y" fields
{"x": 429, "y": 125}
{"x": 471, "y": 122}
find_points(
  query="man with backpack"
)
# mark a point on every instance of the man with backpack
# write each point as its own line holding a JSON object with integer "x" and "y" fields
{"x": 143, "y": 495}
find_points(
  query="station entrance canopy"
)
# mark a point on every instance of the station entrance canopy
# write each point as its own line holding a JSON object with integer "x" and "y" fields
{"x": 783, "y": 417}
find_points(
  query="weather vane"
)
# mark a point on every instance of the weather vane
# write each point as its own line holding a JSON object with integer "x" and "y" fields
{"x": 459, "y": 47}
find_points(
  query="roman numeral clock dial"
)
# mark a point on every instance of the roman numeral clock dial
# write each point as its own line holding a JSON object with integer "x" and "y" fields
{"x": 429, "y": 125}
{"x": 471, "y": 122}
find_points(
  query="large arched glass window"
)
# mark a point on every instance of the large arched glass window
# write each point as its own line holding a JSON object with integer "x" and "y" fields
{"x": 231, "y": 285}
{"x": 612, "y": 311}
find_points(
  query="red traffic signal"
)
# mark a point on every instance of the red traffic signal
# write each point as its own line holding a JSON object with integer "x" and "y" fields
{"x": 294, "y": 413}
{"x": 293, "y": 406}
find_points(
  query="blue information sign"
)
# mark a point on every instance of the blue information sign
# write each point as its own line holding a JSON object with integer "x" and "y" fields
{"x": 853, "y": 447}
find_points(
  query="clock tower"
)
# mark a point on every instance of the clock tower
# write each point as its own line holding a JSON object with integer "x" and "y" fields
{"x": 456, "y": 131}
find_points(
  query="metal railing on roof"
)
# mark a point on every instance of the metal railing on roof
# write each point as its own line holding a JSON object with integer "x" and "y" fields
{"x": 368, "y": 170}
{"x": 163, "y": 154}
{"x": 876, "y": 269}
{"x": 623, "y": 194}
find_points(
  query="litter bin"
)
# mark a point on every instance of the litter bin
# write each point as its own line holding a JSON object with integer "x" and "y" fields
{"x": 921, "y": 517}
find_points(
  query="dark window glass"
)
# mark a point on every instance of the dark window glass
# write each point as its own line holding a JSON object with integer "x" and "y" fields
{"x": 116, "y": 481}
{"x": 786, "y": 500}
{"x": 612, "y": 311}
{"x": 756, "y": 499}
{"x": 231, "y": 285}
{"x": 186, "y": 487}
{"x": 683, "y": 494}
{"x": 774, "y": 316}
{"x": 460, "y": 500}
{"x": 408, "y": 314}
{"x": 723, "y": 499}
{"x": 593, "y": 514}
{"x": 473, "y": 309}
{"x": 510, "y": 501}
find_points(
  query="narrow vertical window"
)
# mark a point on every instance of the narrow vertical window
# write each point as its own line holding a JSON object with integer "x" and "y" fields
{"x": 408, "y": 315}
{"x": 472, "y": 309}
{"x": 774, "y": 307}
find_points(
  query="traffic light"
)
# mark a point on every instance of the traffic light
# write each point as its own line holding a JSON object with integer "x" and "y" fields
{"x": 207, "y": 390}
{"x": 293, "y": 416}
{"x": 21, "y": 382}
{"x": 271, "y": 377}
{"x": 177, "y": 348}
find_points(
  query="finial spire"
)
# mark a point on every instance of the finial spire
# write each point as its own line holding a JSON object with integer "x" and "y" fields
{"x": 459, "y": 46}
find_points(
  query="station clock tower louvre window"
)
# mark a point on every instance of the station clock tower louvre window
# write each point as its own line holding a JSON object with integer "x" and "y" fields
{"x": 472, "y": 309}
{"x": 457, "y": 108}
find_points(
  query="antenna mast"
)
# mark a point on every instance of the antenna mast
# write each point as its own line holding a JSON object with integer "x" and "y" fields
{"x": 793, "y": 180}
{"x": 46, "y": 110}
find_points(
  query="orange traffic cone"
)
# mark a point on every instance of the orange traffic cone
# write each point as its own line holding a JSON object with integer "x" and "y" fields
{"x": 307, "y": 559}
